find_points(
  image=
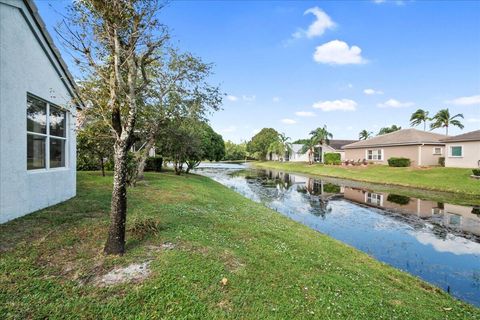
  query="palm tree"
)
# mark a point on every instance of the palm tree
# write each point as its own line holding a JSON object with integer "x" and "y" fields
{"x": 390, "y": 129}
{"x": 281, "y": 146}
{"x": 418, "y": 117}
{"x": 321, "y": 135}
{"x": 443, "y": 120}
{"x": 318, "y": 136}
{"x": 364, "y": 135}
{"x": 309, "y": 148}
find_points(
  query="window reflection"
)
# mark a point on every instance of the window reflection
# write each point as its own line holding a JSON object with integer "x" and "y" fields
{"x": 35, "y": 152}
{"x": 36, "y": 115}
{"x": 57, "y": 153}
{"x": 57, "y": 122}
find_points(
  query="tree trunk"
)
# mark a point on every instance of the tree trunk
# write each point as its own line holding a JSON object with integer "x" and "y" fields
{"x": 116, "y": 233}
{"x": 102, "y": 164}
{"x": 143, "y": 157}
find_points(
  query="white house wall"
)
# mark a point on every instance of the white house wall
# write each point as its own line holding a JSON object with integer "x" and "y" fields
{"x": 25, "y": 67}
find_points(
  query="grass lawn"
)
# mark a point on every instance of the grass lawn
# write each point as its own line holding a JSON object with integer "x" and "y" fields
{"x": 455, "y": 180}
{"x": 276, "y": 268}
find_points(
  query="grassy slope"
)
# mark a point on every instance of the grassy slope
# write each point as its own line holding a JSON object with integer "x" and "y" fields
{"x": 436, "y": 178}
{"x": 276, "y": 268}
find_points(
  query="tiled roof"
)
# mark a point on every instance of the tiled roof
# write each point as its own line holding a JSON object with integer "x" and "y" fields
{"x": 398, "y": 138}
{"x": 469, "y": 136}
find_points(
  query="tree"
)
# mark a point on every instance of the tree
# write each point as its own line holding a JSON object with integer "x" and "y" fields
{"x": 261, "y": 141}
{"x": 94, "y": 145}
{"x": 364, "y": 135}
{"x": 418, "y": 117}
{"x": 116, "y": 42}
{"x": 281, "y": 146}
{"x": 309, "y": 149}
{"x": 235, "y": 151}
{"x": 211, "y": 146}
{"x": 318, "y": 136}
{"x": 321, "y": 135}
{"x": 179, "y": 90}
{"x": 390, "y": 129}
{"x": 442, "y": 119}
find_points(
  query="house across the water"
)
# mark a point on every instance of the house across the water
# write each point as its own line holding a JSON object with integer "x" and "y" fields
{"x": 423, "y": 148}
{"x": 37, "y": 115}
{"x": 334, "y": 146}
{"x": 463, "y": 151}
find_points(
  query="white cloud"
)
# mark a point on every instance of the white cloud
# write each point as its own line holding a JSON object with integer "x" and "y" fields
{"x": 305, "y": 114}
{"x": 338, "y": 52}
{"x": 318, "y": 27}
{"x": 372, "y": 91}
{"x": 276, "y": 99}
{"x": 232, "y": 98}
{"x": 343, "y": 104}
{"x": 249, "y": 98}
{"x": 396, "y": 2}
{"x": 289, "y": 121}
{"x": 465, "y": 101}
{"x": 229, "y": 129}
{"x": 473, "y": 120}
{"x": 393, "y": 103}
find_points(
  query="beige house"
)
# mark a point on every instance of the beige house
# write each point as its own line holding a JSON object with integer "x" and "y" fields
{"x": 463, "y": 151}
{"x": 421, "y": 147}
{"x": 334, "y": 146}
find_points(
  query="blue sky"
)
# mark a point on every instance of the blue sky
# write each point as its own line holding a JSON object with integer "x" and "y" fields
{"x": 351, "y": 65}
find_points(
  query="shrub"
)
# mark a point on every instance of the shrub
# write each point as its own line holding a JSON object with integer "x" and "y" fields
{"x": 398, "y": 199}
{"x": 441, "y": 161}
{"x": 476, "y": 172}
{"x": 154, "y": 164}
{"x": 399, "y": 162}
{"x": 332, "y": 158}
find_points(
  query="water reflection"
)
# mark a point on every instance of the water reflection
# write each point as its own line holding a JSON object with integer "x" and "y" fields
{"x": 438, "y": 242}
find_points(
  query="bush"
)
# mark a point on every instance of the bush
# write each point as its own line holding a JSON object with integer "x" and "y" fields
{"x": 441, "y": 161}
{"x": 332, "y": 158}
{"x": 154, "y": 164}
{"x": 399, "y": 162}
{"x": 476, "y": 172}
{"x": 398, "y": 199}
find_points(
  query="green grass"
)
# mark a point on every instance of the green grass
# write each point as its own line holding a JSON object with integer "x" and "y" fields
{"x": 453, "y": 180}
{"x": 276, "y": 268}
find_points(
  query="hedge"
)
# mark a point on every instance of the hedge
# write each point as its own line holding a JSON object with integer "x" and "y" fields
{"x": 332, "y": 158}
{"x": 154, "y": 164}
{"x": 399, "y": 162}
{"x": 476, "y": 172}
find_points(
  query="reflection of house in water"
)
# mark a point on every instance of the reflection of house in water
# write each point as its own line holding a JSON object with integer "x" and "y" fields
{"x": 453, "y": 216}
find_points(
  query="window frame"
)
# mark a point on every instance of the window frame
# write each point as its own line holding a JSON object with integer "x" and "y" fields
{"x": 377, "y": 197}
{"x": 437, "y": 153}
{"x": 48, "y": 136}
{"x": 377, "y": 154}
{"x": 450, "y": 154}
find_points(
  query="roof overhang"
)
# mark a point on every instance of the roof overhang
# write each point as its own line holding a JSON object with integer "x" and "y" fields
{"x": 69, "y": 81}
{"x": 400, "y": 144}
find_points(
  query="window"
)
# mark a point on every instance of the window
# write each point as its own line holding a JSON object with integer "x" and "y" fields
{"x": 374, "y": 198}
{"x": 456, "y": 151}
{"x": 46, "y": 135}
{"x": 375, "y": 154}
{"x": 437, "y": 150}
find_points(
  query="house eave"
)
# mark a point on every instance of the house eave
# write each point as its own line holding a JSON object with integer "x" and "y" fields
{"x": 395, "y": 144}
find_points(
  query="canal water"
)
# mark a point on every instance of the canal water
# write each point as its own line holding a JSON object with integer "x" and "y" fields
{"x": 436, "y": 241}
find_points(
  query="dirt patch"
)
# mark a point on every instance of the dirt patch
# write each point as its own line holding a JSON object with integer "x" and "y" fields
{"x": 135, "y": 272}
{"x": 232, "y": 263}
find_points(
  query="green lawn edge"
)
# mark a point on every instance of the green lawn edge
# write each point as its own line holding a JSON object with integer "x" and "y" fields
{"x": 276, "y": 268}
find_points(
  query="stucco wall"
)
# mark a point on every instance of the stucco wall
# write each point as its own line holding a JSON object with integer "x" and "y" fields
{"x": 470, "y": 158}
{"x": 428, "y": 156}
{"x": 411, "y": 152}
{"x": 25, "y": 67}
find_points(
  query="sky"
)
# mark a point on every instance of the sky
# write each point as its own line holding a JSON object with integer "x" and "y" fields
{"x": 350, "y": 65}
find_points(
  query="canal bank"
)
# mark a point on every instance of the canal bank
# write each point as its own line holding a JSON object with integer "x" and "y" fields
{"x": 211, "y": 254}
{"x": 435, "y": 240}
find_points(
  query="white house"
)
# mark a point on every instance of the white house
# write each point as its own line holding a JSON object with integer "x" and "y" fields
{"x": 463, "y": 151}
{"x": 334, "y": 146}
{"x": 37, "y": 115}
